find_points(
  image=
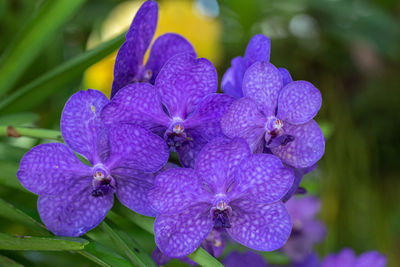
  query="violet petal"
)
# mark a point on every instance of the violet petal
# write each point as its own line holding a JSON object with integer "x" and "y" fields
{"x": 50, "y": 169}
{"x": 130, "y": 55}
{"x": 178, "y": 235}
{"x": 307, "y": 147}
{"x": 242, "y": 119}
{"x": 74, "y": 212}
{"x": 258, "y": 49}
{"x": 231, "y": 83}
{"x": 183, "y": 82}
{"x": 263, "y": 179}
{"x": 259, "y": 226}
{"x": 132, "y": 189}
{"x": 218, "y": 161}
{"x": 80, "y": 123}
{"x": 165, "y": 47}
{"x": 262, "y": 82}
{"x": 134, "y": 147}
{"x": 136, "y": 103}
{"x": 299, "y": 102}
{"x": 371, "y": 259}
{"x": 286, "y": 78}
{"x": 175, "y": 190}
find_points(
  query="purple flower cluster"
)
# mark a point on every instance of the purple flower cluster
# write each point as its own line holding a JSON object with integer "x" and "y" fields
{"x": 243, "y": 153}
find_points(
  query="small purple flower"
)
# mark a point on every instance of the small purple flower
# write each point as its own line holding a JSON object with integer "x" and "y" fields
{"x": 74, "y": 197}
{"x": 129, "y": 66}
{"x": 258, "y": 49}
{"x": 229, "y": 189}
{"x": 347, "y": 258}
{"x": 182, "y": 106}
{"x": 306, "y": 229}
{"x": 277, "y": 119}
{"x": 244, "y": 259}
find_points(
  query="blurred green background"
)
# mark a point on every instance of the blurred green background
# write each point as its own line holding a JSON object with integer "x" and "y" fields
{"x": 349, "y": 49}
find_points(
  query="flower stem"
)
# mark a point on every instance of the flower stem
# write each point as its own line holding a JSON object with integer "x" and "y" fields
{"x": 16, "y": 132}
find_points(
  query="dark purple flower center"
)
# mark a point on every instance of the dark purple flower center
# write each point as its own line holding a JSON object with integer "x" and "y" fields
{"x": 275, "y": 135}
{"x": 102, "y": 182}
{"x": 220, "y": 214}
{"x": 176, "y": 135}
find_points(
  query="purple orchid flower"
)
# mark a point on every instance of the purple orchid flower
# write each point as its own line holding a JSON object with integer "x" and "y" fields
{"x": 74, "y": 197}
{"x": 277, "y": 119}
{"x": 129, "y": 66}
{"x": 229, "y": 189}
{"x": 258, "y": 49}
{"x": 306, "y": 229}
{"x": 213, "y": 244}
{"x": 347, "y": 258}
{"x": 182, "y": 106}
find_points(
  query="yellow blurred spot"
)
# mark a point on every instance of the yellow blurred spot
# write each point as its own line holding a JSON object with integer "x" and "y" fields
{"x": 177, "y": 16}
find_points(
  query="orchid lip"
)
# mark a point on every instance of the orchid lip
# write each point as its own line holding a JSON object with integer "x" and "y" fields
{"x": 102, "y": 182}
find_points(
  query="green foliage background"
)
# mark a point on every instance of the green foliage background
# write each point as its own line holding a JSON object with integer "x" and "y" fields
{"x": 349, "y": 49}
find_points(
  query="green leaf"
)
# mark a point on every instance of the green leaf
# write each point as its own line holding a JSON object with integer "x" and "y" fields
{"x": 70, "y": 70}
{"x": 103, "y": 255}
{"x": 18, "y": 242}
{"x": 7, "y": 262}
{"x": 93, "y": 250}
{"x": 8, "y": 175}
{"x": 23, "y": 50}
{"x": 15, "y": 215}
{"x": 129, "y": 246}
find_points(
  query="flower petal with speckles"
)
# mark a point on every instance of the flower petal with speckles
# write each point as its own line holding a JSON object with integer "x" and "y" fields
{"x": 180, "y": 234}
{"x": 75, "y": 211}
{"x": 139, "y": 104}
{"x": 243, "y": 119}
{"x": 183, "y": 82}
{"x": 51, "y": 169}
{"x": 218, "y": 161}
{"x": 262, "y": 178}
{"x": 299, "y": 102}
{"x": 175, "y": 190}
{"x": 165, "y": 47}
{"x": 259, "y": 226}
{"x": 262, "y": 82}
{"x": 81, "y": 125}
{"x": 134, "y": 147}
{"x": 306, "y": 149}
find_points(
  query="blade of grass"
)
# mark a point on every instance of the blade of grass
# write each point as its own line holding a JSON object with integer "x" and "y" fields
{"x": 93, "y": 251}
{"x": 103, "y": 256}
{"x": 17, "y": 242}
{"x": 136, "y": 254}
{"x": 7, "y": 262}
{"x": 66, "y": 72}
{"x": 8, "y": 211}
{"x": 8, "y": 175}
{"x": 48, "y": 18}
